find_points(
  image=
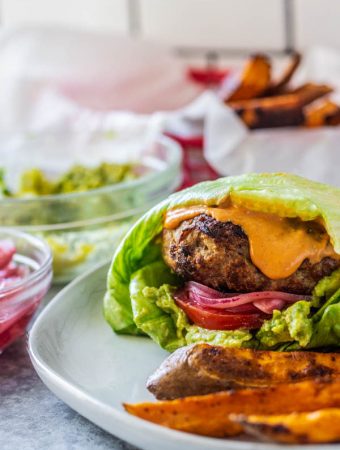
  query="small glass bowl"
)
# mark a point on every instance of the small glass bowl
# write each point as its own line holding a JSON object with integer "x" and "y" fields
{"x": 84, "y": 228}
{"x": 19, "y": 301}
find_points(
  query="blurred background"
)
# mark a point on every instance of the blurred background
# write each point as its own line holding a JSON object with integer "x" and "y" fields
{"x": 196, "y": 28}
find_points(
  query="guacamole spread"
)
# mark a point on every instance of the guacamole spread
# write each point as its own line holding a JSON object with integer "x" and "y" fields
{"x": 35, "y": 182}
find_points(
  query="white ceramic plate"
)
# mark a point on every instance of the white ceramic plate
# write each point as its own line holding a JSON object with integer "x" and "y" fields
{"x": 93, "y": 370}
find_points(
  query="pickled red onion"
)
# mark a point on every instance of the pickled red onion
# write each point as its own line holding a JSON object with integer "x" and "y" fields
{"x": 10, "y": 271}
{"x": 7, "y": 251}
{"x": 265, "y": 301}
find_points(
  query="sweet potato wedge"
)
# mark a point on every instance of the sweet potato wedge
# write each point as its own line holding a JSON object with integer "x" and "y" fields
{"x": 203, "y": 369}
{"x": 320, "y": 426}
{"x": 281, "y": 110}
{"x": 321, "y": 113}
{"x": 270, "y": 112}
{"x": 310, "y": 92}
{"x": 278, "y": 86}
{"x": 254, "y": 80}
{"x": 208, "y": 415}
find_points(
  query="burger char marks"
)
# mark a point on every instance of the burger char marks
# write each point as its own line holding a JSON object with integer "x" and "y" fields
{"x": 217, "y": 254}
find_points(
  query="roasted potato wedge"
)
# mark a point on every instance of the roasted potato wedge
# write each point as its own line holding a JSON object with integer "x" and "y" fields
{"x": 270, "y": 112}
{"x": 321, "y": 113}
{"x": 203, "y": 369}
{"x": 278, "y": 86}
{"x": 281, "y": 110}
{"x": 208, "y": 415}
{"x": 263, "y": 103}
{"x": 310, "y": 92}
{"x": 297, "y": 428}
{"x": 254, "y": 80}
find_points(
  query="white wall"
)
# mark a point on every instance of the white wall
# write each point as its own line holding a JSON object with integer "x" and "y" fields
{"x": 105, "y": 15}
{"x": 195, "y": 24}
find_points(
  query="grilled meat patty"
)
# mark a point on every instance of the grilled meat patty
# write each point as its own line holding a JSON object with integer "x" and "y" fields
{"x": 217, "y": 254}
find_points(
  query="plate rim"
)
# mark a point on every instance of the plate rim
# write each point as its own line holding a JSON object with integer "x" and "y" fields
{"x": 44, "y": 371}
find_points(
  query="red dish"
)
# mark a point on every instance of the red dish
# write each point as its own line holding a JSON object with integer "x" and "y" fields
{"x": 208, "y": 76}
{"x": 195, "y": 167}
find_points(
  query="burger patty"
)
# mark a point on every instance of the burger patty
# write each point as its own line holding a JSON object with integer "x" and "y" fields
{"x": 217, "y": 254}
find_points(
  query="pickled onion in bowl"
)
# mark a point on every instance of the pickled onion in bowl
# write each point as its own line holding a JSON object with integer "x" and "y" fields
{"x": 25, "y": 276}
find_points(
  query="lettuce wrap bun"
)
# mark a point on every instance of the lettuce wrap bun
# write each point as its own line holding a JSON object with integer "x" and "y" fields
{"x": 148, "y": 295}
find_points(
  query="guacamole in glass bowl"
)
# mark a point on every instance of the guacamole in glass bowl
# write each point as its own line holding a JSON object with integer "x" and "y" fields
{"x": 83, "y": 209}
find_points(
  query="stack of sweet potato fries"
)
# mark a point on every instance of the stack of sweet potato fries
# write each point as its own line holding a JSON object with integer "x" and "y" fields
{"x": 262, "y": 102}
{"x": 273, "y": 407}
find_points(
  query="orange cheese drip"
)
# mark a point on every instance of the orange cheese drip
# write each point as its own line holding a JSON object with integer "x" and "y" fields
{"x": 278, "y": 246}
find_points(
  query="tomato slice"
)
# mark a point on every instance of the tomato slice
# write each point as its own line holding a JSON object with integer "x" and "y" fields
{"x": 220, "y": 320}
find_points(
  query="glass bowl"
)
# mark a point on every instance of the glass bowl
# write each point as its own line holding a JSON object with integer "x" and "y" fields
{"x": 84, "y": 228}
{"x": 19, "y": 301}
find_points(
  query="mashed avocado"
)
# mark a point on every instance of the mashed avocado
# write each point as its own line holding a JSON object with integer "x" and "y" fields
{"x": 34, "y": 182}
{"x": 74, "y": 249}
{"x": 291, "y": 324}
{"x": 4, "y": 191}
{"x": 299, "y": 326}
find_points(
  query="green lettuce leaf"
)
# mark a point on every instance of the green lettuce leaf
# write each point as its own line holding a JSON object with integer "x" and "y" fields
{"x": 325, "y": 289}
{"x": 326, "y": 321}
{"x": 157, "y": 315}
{"x": 137, "y": 250}
{"x": 154, "y": 310}
{"x": 326, "y": 331}
{"x": 126, "y": 305}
